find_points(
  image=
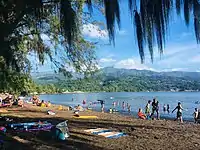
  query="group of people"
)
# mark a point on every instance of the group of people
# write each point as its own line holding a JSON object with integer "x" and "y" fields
{"x": 10, "y": 100}
{"x": 36, "y": 101}
{"x": 124, "y": 106}
{"x": 151, "y": 109}
{"x": 150, "y": 112}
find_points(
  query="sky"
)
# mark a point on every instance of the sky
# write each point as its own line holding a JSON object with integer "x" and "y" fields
{"x": 181, "y": 52}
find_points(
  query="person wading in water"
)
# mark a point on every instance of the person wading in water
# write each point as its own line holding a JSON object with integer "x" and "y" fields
{"x": 179, "y": 112}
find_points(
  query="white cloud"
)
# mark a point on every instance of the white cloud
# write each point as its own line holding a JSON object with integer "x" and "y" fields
{"x": 175, "y": 69}
{"x": 196, "y": 59}
{"x": 107, "y": 60}
{"x": 132, "y": 63}
{"x": 122, "y": 32}
{"x": 94, "y": 31}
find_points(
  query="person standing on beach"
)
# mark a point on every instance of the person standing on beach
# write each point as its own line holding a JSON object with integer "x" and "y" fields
{"x": 195, "y": 115}
{"x": 179, "y": 112}
{"x": 147, "y": 109}
{"x": 102, "y": 102}
{"x": 168, "y": 108}
{"x": 155, "y": 108}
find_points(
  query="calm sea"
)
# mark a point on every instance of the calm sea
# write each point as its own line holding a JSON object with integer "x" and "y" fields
{"x": 135, "y": 99}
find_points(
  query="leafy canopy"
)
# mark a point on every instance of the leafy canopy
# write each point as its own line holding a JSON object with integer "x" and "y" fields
{"x": 23, "y": 22}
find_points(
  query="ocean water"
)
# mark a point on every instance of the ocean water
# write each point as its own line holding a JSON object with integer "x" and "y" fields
{"x": 135, "y": 99}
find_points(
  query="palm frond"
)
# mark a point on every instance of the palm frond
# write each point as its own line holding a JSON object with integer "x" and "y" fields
{"x": 178, "y": 6}
{"x": 139, "y": 35}
{"x": 69, "y": 21}
{"x": 196, "y": 12}
{"x": 187, "y": 10}
{"x": 132, "y": 6}
{"x": 112, "y": 12}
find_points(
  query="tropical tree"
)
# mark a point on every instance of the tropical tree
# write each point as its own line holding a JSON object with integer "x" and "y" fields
{"x": 23, "y": 23}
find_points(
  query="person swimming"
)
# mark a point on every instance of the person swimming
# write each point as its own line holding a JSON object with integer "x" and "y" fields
{"x": 179, "y": 112}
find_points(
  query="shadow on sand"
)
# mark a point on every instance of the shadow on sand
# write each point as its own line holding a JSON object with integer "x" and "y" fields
{"x": 43, "y": 139}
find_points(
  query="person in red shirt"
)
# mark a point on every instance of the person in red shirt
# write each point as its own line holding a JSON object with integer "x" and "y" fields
{"x": 141, "y": 115}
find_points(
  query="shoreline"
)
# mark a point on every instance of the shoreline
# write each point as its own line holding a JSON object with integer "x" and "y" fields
{"x": 82, "y": 92}
{"x": 165, "y": 134}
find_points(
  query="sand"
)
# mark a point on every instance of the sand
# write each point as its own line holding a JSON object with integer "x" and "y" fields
{"x": 142, "y": 134}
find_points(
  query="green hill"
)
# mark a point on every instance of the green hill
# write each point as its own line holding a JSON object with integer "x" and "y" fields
{"x": 112, "y": 79}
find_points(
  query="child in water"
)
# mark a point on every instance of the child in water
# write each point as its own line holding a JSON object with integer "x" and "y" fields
{"x": 195, "y": 115}
{"x": 141, "y": 115}
{"x": 179, "y": 112}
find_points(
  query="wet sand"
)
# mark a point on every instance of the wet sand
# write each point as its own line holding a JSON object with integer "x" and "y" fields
{"x": 142, "y": 134}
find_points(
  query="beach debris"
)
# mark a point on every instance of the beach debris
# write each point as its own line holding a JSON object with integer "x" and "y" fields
{"x": 156, "y": 137}
{"x": 106, "y": 132}
{"x": 2, "y": 129}
{"x": 60, "y": 131}
{"x": 51, "y": 112}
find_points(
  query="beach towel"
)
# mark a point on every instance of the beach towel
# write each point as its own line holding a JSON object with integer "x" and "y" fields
{"x": 85, "y": 117}
{"x": 97, "y": 131}
{"x": 31, "y": 126}
{"x": 105, "y": 132}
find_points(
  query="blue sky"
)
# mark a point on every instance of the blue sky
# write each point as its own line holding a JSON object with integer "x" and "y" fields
{"x": 181, "y": 52}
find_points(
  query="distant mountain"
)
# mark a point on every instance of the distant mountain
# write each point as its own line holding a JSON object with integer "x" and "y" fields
{"x": 112, "y": 79}
{"x": 117, "y": 72}
{"x": 43, "y": 77}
